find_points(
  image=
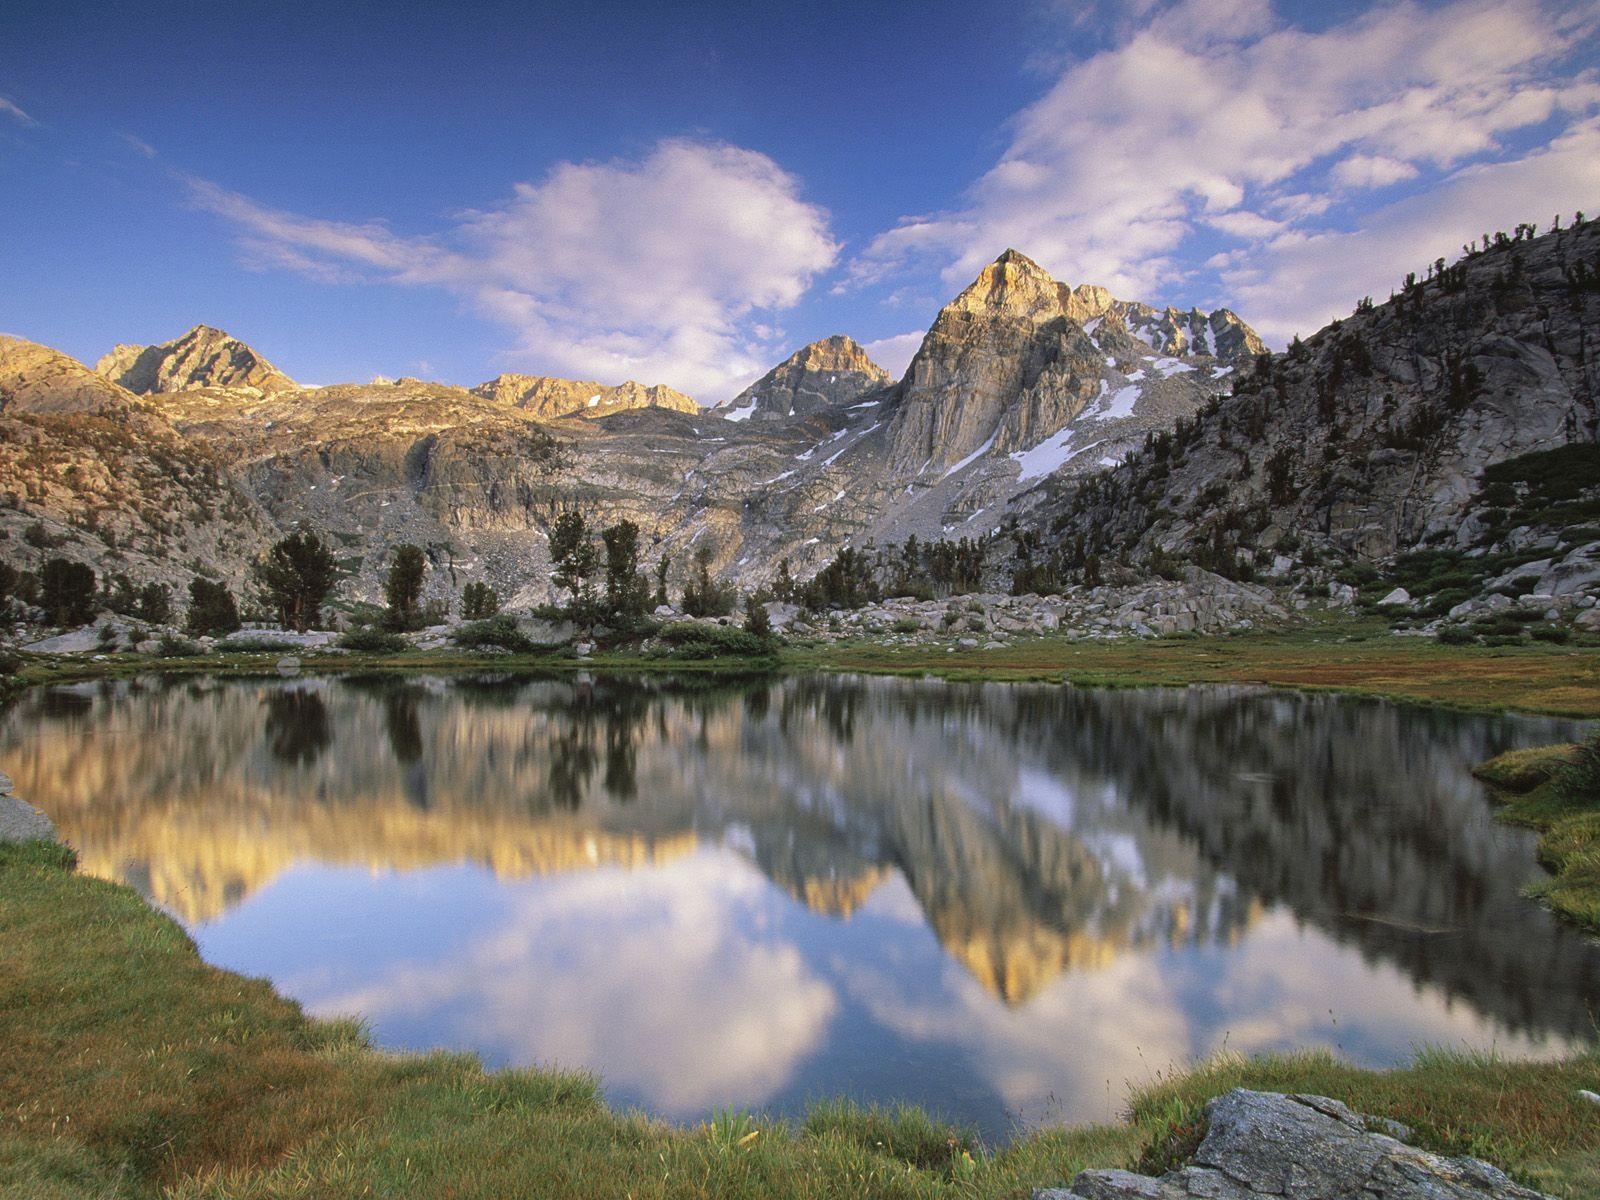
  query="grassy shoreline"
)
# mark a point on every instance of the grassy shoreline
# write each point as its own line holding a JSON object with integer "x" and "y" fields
{"x": 134, "y": 1069}
{"x": 1556, "y": 791}
{"x": 1358, "y": 658}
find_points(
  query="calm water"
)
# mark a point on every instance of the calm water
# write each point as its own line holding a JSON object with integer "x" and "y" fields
{"x": 1004, "y": 902}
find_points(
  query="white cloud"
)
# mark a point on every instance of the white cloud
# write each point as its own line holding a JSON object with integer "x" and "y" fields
{"x": 8, "y": 109}
{"x": 139, "y": 145}
{"x": 1297, "y": 285}
{"x": 665, "y": 982}
{"x": 665, "y": 269}
{"x": 894, "y": 354}
{"x": 1223, "y": 119}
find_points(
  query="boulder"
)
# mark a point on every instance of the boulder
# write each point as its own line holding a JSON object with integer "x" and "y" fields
{"x": 22, "y": 822}
{"x": 1263, "y": 1144}
{"x": 1395, "y": 599}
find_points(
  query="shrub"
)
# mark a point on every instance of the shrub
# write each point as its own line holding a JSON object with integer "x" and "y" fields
{"x": 373, "y": 641}
{"x": 494, "y": 633}
{"x": 1456, "y": 635}
{"x": 906, "y": 625}
{"x": 258, "y": 643}
{"x": 689, "y": 639}
{"x": 1550, "y": 633}
{"x": 10, "y": 664}
{"x": 173, "y": 646}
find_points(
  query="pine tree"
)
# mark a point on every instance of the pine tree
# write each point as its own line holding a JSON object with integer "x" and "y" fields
{"x": 296, "y": 577}
{"x": 403, "y": 588}
{"x": 211, "y": 608}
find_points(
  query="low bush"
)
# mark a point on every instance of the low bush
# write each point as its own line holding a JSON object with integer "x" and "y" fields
{"x": 173, "y": 646}
{"x": 691, "y": 639}
{"x": 258, "y": 644}
{"x": 1456, "y": 635}
{"x": 372, "y": 640}
{"x": 499, "y": 632}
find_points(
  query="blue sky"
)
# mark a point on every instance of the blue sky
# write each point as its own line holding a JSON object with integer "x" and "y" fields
{"x": 687, "y": 193}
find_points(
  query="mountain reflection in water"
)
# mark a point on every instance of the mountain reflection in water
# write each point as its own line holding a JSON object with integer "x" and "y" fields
{"x": 755, "y": 892}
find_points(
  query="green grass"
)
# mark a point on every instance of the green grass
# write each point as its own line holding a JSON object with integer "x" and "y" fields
{"x": 1556, "y": 790}
{"x": 132, "y": 1069}
{"x": 1356, "y": 656}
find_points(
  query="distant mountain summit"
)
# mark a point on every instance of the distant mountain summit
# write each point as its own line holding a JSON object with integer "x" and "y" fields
{"x": 548, "y": 398}
{"x": 825, "y": 374}
{"x": 202, "y": 358}
{"x": 1018, "y": 355}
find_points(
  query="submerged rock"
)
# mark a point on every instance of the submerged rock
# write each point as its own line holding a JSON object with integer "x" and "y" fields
{"x": 1264, "y": 1144}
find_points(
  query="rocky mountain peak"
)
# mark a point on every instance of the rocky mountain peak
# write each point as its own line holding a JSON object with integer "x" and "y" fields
{"x": 1012, "y": 284}
{"x": 826, "y": 373}
{"x": 202, "y": 358}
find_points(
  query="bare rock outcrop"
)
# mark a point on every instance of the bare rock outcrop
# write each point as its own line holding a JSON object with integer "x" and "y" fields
{"x": 825, "y": 374}
{"x": 1264, "y": 1144}
{"x": 546, "y": 397}
{"x": 202, "y": 358}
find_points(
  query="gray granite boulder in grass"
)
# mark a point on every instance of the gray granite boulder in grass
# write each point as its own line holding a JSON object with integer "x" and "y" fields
{"x": 22, "y": 822}
{"x": 1263, "y": 1144}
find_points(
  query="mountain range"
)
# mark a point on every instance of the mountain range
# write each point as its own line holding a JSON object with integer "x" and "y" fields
{"x": 1095, "y": 424}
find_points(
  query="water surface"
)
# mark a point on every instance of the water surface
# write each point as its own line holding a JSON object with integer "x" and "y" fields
{"x": 1005, "y": 902}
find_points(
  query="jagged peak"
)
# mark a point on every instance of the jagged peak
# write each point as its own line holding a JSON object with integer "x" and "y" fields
{"x": 830, "y": 370}
{"x": 1013, "y": 284}
{"x": 205, "y": 356}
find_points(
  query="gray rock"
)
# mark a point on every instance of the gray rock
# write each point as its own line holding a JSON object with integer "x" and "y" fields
{"x": 22, "y": 822}
{"x": 1263, "y": 1144}
{"x": 5, "y": 784}
{"x": 1396, "y": 598}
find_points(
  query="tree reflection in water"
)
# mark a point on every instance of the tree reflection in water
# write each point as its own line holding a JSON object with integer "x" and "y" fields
{"x": 1041, "y": 831}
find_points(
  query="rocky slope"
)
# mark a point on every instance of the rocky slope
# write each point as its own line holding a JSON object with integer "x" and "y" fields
{"x": 203, "y": 357}
{"x": 90, "y": 472}
{"x": 1372, "y": 438}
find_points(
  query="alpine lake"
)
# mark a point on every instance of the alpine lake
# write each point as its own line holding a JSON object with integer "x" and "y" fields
{"x": 1003, "y": 902}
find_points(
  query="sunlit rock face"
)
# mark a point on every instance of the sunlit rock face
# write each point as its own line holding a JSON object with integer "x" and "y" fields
{"x": 1021, "y": 379}
{"x": 826, "y": 374}
{"x": 1017, "y": 356}
{"x": 110, "y": 479}
{"x": 546, "y": 397}
{"x": 204, "y": 357}
{"x": 1039, "y": 832}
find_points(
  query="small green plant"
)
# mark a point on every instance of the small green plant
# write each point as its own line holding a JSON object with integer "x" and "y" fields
{"x": 731, "y": 1129}
{"x": 906, "y": 625}
{"x": 173, "y": 646}
{"x": 373, "y": 641}
{"x": 693, "y": 639}
{"x": 499, "y": 632}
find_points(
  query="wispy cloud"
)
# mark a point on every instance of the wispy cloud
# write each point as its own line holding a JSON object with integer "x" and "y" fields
{"x": 894, "y": 354}
{"x": 1217, "y": 129}
{"x": 139, "y": 145}
{"x": 14, "y": 111}
{"x": 662, "y": 269}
